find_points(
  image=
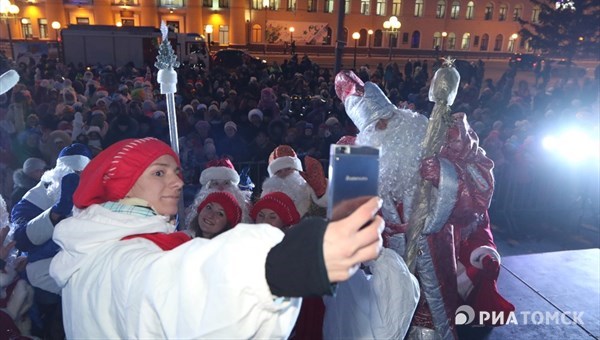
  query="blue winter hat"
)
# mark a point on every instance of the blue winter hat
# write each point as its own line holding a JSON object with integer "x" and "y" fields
{"x": 75, "y": 156}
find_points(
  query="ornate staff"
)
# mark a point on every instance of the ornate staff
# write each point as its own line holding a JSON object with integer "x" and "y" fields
{"x": 166, "y": 62}
{"x": 442, "y": 92}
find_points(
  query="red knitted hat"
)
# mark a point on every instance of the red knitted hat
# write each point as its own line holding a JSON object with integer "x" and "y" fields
{"x": 233, "y": 212}
{"x": 281, "y": 204}
{"x": 283, "y": 157}
{"x": 219, "y": 169}
{"x": 113, "y": 172}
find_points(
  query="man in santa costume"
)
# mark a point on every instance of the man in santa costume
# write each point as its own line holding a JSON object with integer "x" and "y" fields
{"x": 305, "y": 188}
{"x": 220, "y": 175}
{"x": 35, "y": 216}
{"x": 457, "y": 261}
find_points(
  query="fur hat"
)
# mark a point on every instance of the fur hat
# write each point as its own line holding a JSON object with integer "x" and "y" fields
{"x": 233, "y": 212}
{"x": 283, "y": 157}
{"x": 114, "y": 171}
{"x": 219, "y": 169}
{"x": 253, "y": 112}
{"x": 75, "y": 156}
{"x": 230, "y": 124}
{"x": 281, "y": 204}
{"x": 33, "y": 164}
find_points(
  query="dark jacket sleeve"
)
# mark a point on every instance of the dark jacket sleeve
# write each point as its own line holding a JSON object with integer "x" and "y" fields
{"x": 295, "y": 267}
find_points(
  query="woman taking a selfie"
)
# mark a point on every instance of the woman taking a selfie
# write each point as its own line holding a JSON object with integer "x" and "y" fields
{"x": 126, "y": 273}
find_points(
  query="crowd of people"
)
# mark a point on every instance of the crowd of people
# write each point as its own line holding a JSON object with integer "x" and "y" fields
{"x": 252, "y": 147}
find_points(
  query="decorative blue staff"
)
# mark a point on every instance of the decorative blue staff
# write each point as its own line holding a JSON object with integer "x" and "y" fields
{"x": 166, "y": 62}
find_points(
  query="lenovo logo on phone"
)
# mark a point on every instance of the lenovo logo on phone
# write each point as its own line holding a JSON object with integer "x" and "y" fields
{"x": 353, "y": 172}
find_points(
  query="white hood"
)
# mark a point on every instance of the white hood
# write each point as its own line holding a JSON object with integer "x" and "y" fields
{"x": 90, "y": 229}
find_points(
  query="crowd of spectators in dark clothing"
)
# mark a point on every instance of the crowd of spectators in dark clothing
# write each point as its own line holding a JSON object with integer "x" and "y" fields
{"x": 246, "y": 113}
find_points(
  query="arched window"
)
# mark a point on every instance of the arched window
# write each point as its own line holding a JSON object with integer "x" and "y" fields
{"x": 345, "y": 35}
{"x": 517, "y": 12}
{"x": 362, "y": 41}
{"x": 489, "y": 11}
{"x": 415, "y": 40}
{"x": 451, "y": 41}
{"x": 378, "y": 38}
{"x": 535, "y": 14}
{"x": 466, "y": 41}
{"x": 437, "y": 40}
{"x": 257, "y": 35}
{"x": 440, "y": 10}
{"x": 498, "y": 43}
{"x": 485, "y": 41}
{"x": 455, "y": 11}
{"x": 419, "y": 8}
{"x": 470, "y": 10}
{"x": 502, "y": 12}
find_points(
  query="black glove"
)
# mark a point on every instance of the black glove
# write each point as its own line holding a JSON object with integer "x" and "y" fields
{"x": 295, "y": 266}
{"x": 68, "y": 184}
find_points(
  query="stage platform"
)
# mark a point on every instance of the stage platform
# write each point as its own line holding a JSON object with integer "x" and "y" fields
{"x": 559, "y": 289}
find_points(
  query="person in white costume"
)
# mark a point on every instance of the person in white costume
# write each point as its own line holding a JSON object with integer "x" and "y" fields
{"x": 126, "y": 273}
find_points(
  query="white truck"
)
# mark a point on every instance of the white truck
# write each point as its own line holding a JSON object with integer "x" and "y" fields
{"x": 111, "y": 45}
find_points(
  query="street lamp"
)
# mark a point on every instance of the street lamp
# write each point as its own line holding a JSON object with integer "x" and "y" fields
{"x": 292, "y": 29}
{"x": 444, "y": 35}
{"x": 265, "y": 4}
{"x": 392, "y": 25}
{"x": 8, "y": 11}
{"x": 208, "y": 30}
{"x": 355, "y": 36}
{"x": 56, "y": 26}
{"x": 369, "y": 34}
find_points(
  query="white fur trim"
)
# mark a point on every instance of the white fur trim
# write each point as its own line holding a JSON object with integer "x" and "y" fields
{"x": 464, "y": 283}
{"x": 219, "y": 172}
{"x": 74, "y": 162}
{"x": 8, "y": 79}
{"x": 478, "y": 254}
{"x": 320, "y": 201}
{"x": 284, "y": 162}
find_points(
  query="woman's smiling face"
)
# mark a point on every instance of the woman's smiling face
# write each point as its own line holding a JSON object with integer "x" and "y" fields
{"x": 212, "y": 220}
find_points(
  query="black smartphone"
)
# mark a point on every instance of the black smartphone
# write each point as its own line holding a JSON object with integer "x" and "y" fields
{"x": 353, "y": 172}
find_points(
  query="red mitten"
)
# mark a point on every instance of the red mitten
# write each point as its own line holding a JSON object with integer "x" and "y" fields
{"x": 491, "y": 268}
{"x": 430, "y": 170}
{"x": 315, "y": 176}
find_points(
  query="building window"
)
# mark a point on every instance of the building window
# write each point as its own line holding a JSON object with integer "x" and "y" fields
{"x": 455, "y": 11}
{"x": 208, "y": 3}
{"x": 327, "y": 37}
{"x": 223, "y": 3}
{"x": 328, "y": 6}
{"x": 224, "y": 35}
{"x": 173, "y": 26}
{"x": 498, "y": 43}
{"x": 348, "y": 5}
{"x": 535, "y": 14}
{"x": 43, "y": 24}
{"x": 485, "y": 40}
{"x": 489, "y": 11}
{"x": 418, "y": 8}
{"x": 405, "y": 38}
{"x": 362, "y": 41}
{"x": 257, "y": 35}
{"x": 517, "y": 12}
{"x": 380, "y": 9}
{"x": 364, "y": 7}
{"x": 466, "y": 41}
{"x": 437, "y": 40}
{"x": 26, "y": 28}
{"x": 311, "y": 6}
{"x": 476, "y": 41}
{"x": 440, "y": 11}
{"x": 82, "y": 21}
{"x": 171, "y": 3}
{"x": 378, "y": 38}
{"x": 128, "y": 22}
{"x": 396, "y": 7}
{"x": 451, "y": 41}
{"x": 470, "y": 10}
{"x": 502, "y": 12}
{"x": 256, "y": 4}
{"x": 415, "y": 41}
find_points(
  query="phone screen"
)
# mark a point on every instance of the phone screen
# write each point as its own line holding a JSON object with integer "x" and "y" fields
{"x": 353, "y": 173}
